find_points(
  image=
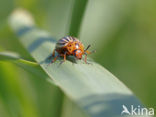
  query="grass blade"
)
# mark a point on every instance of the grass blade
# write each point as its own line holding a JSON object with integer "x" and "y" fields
{"x": 77, "y": 16}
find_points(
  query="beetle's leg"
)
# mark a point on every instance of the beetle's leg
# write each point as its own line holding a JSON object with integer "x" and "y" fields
{"x": 53, "y": 54}
{"x": 85, "y": 59}
{"x": 64, "y": 58}
{"x": 53, "y": 60}
{"x": 86, "y": 53}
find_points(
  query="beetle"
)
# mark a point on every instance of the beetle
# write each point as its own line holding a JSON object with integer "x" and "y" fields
{"x": 70, "y": 46}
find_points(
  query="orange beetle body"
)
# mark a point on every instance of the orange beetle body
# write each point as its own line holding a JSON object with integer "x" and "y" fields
{"x": 70, "y": 46}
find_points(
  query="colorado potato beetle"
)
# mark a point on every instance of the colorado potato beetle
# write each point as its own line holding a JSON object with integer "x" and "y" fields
{"x": 70, "y": 46}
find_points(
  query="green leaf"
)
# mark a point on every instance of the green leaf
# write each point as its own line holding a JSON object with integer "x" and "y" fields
{"x": 91, "y": 87}
{"x": 11, "y": 91}
{"x": 29, "y": 66}
{"x": 77, "y": 16}
{"x": 7, "y": 55}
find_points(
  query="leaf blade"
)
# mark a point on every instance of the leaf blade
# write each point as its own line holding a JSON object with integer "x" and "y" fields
{"x": 91, "y": 87}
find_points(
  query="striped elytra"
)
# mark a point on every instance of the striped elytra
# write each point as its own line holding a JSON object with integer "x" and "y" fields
{"x": 65, "y": 40}
{"x": 70, "y": 46}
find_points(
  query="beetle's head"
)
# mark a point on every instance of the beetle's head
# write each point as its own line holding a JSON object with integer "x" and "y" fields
{"x": 78, "y": 54}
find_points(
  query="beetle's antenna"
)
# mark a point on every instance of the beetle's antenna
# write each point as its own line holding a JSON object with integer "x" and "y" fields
{"x": 87, "y": 47}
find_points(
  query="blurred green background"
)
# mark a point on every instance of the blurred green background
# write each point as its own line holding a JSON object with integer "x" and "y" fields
{"x": 122, "y": 32}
